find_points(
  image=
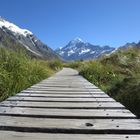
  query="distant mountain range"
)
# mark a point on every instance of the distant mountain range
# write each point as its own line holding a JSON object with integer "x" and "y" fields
{"x": 77, "y": 49}
{"x": 11, "y": 36}
{"x": 130, "y": 45}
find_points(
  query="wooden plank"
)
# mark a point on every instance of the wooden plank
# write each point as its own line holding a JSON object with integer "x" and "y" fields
{"x": 62, "y": 92}
{"x": 64, "y": 95}
{"x": 63, "y": 105}
{"x": 10, "y": 135}
{"x": 67, "y": 81}
{"x": 46, "y": 86}
{"x": 64, "y": 86}
{"x": 81, "y": 124}
{"x": 56, "y": 84}
{"x": 77, "y": 113}
{"x": 64, "y": 89}
{"x": 61, "y": 99}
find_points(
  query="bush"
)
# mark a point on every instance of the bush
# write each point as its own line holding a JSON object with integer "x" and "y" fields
{"x": 75, "y": 65}
{"x": 118, "y": 75}
{"x": 55, "y": 64}
{"x": 101, "y": 75}
{"x": 128, "y": 93}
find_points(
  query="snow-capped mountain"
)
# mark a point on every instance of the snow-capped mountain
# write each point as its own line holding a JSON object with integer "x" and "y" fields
{"x": 24, "y": 38}
{"x": 77, "y": 49}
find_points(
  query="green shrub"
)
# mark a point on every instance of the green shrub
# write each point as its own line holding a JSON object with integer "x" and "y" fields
{"x": 128, "y": 93}
{"x": 118, "y": 75}
{"x": 55, "y": 64}
{"x": 101, "y": 75}
{"x": 74, "y": 65}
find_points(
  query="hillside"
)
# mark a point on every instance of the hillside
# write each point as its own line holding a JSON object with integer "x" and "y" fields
{"x": 13, "y": 37}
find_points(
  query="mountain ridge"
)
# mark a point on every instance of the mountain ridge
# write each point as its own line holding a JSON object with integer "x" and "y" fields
{"x": 77, "y": 49}
{"x": 26, "y": 40}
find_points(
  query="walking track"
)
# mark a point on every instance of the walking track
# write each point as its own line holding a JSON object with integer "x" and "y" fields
{"x": 66, "y": 107}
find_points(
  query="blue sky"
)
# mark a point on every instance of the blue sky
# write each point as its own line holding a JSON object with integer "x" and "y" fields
{"x": 56, "y": 22}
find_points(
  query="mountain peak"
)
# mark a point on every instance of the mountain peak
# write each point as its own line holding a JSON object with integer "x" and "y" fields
{"x": 77, "y": 40}
{"x": 78, "y": 49}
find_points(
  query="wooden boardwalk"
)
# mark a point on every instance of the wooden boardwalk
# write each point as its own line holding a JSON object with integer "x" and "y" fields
{"x": 66, "y": 107}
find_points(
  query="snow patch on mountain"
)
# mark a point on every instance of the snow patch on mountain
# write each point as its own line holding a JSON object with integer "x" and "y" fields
{"x": 12, "y": 27}
{"x": 62, "y": 52}
{"x": 104, "y": 51}
{"x": 70, "y": 52}
{"x": 84, "y": 51}
{"x": 92, "y": 52}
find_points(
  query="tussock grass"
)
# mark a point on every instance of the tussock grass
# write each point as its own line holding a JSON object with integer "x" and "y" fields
{"x": 18, "y": 71}
{"x": 118, "y": 75}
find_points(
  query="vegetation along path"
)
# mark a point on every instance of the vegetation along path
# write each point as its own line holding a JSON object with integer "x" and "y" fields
{"x": 66, "y": 106}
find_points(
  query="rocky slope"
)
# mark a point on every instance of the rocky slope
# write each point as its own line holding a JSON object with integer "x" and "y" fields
{"x": 12, "y": 36}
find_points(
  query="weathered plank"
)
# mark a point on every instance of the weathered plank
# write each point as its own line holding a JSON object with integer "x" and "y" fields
{"x": 9, "y": 135}
{"x": 76, "y": 85}
{"x": 61, "y": 99}
{"x": 83, "y": 105}
{"x": 64, "y": 95}
{"x": 64, "y": 89}
{"x": 75, "y": 124}
{"x": 67, "y": 85}
{"x": 76, "y": 113}
{"x": 63, "y": 92}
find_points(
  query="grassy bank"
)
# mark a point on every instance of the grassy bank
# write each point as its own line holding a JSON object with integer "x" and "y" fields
{"x": 18, "y": 71}
{"x": 118, "y": 75}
